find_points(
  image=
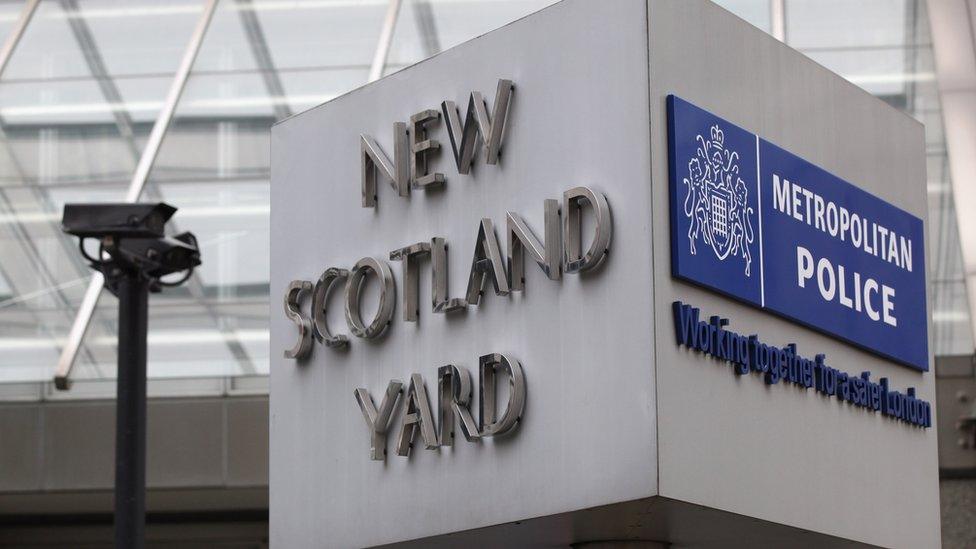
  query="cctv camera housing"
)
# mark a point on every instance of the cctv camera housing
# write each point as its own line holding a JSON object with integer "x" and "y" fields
{"x": 123, "y": 220}
{"x": 162, "y": 256}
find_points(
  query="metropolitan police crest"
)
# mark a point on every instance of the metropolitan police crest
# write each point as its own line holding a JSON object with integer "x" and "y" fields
{"x": 718, "y": 201}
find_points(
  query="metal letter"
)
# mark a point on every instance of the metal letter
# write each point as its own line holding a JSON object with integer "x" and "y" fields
{"x": 573, "y": 200}
{"x": 354, "y": 285}
{"x": 489, "y": 423}
{"x": 378, "y": 421}
{"x": 487, "y": 261}
{"x": 419, "y": 146}
{"x": 438, "y": 259}
{"x": 411, "y": 278}
{"x": 520, "y": 239}
{"x": 293, "y": 311}
{"x": 453, "y": 400}
{"x": 477, "y": 122}
{"x": 320, "y": 297}
{"x": 418, "y": 415}
{"x": 372, "y": 158}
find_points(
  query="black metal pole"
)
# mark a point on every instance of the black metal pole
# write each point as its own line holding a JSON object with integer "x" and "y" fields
{"x": 130, "y": 414}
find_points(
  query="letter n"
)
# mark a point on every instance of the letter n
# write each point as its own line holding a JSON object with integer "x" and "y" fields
{"x": 373, "y": 159}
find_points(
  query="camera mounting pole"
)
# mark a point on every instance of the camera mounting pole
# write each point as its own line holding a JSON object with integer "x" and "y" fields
{"x": 132, "y": 289}
{"x": 133, "y": 256}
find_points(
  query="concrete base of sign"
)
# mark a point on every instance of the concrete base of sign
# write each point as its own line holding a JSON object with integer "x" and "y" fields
{"x": 617, "y": 544}
{"x": 650, "y": 523}
{"x": 624, "y": 435}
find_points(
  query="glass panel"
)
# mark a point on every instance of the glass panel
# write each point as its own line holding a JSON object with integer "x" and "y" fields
{"x": 9, "y": 15}
{"x": 756, "y": 12}
{"x": 426, "y": 27}
{"x": 314, "y": 67}
{"x": 77, "y": 102}
{"x": 846, "y": 24}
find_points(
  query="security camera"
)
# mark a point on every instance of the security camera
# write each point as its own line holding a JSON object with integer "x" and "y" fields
{"x": 123, "y": 220}
{"x": 158, "y": 257}
{"x": 132, "y": 242}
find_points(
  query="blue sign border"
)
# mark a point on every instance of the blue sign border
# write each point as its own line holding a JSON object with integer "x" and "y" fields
{"x": 912, "y": 352}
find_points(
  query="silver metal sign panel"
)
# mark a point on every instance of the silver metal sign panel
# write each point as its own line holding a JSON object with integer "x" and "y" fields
{"x": 473, "y": 337}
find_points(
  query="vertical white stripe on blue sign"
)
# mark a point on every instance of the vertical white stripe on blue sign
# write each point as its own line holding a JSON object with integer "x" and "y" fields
{"x": 762, "y": 261}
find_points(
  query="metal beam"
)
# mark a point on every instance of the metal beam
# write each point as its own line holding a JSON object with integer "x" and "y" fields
{"x": 777, "y": 19}
{"x": 16, "y": 33}
{"x": 136, "y": 186}
{"x": 386, "y": 38}
{"x": 262, "y": 57}
{"x": 424, "y": 16}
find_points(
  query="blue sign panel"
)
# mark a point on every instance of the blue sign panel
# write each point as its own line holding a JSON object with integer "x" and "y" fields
{"x": 762, "y": 225}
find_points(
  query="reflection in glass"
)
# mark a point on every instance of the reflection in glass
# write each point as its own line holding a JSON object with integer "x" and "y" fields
{"x": 427, "y": 27}
{"x": 757, "y": 12}
{"x": 76, "y": 103}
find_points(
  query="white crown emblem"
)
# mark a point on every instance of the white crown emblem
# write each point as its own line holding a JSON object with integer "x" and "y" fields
{"x": 718, "y": 201}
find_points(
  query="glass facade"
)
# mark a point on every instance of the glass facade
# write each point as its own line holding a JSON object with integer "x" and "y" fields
{"x": 77, "y": 101}
{"x": 89, "y": 78}
{"x": 885, "y": 47}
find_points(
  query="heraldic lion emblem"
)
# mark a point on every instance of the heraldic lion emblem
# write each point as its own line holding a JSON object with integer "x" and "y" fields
{"x": 718, "y": 201}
